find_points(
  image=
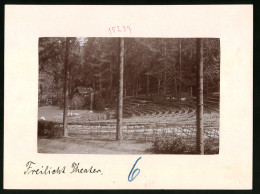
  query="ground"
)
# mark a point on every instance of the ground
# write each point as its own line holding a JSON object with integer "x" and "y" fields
{"x": 73, "y": 145}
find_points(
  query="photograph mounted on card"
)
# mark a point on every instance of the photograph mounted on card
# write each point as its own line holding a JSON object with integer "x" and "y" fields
{"x": 160, "y": 98}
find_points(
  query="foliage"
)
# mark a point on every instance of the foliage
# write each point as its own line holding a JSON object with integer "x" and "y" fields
{"x": 167, "y": 144}
{"x": 211, "y": 145}
{"x": 174, "y": 144}
{"x": 152, "y": 65}
{"x": 49, "y": 128}
{"x": 99, "y": 102}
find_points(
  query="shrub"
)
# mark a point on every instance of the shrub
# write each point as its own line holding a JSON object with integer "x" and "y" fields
{"x": 211, "y": 146}
{"x": 99, "y": 102}
{"x": 49, "y": 128}
{"x": 173, "y": 144}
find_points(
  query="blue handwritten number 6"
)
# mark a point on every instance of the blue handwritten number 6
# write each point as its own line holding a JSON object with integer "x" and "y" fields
{"x": 131, "y": 175}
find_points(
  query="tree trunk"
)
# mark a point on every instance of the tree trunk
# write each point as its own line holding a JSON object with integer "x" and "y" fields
{"x": 119, "y": 131}
{"x": 207, "y": 89}
{"x": 175, "y": 88}
{"x": 175, "y": 81}
{"x": 147, "y": 85}
{"x": 164, "y": 83}
{"x": 199, "y": 99}
{"x": 165, "y": 76}
{"x": 134, "y": 86}
{"x": 94, "y": 87}
{"x": 91, "y": 101}
{"x": 66, "y": 90}
{"x": 100, "y": 84}
{"x": 41, "y": 97}
{"x": 137, "y": 86}
{"x": 159, "y": 84}
{"x": 111, "y": 80}
{"x": 180, "y": 89}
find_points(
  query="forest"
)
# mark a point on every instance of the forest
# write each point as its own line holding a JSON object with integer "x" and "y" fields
{"x": 152, "y": 66}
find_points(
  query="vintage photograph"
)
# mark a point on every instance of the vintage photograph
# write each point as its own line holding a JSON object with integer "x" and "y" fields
{"x": 99, "y": 95}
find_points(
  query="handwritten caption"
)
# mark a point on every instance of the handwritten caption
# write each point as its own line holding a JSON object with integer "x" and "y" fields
{"x": 133, "y": 174}
{"x": 120, "y": 29}
{"x": 33, "y": 169}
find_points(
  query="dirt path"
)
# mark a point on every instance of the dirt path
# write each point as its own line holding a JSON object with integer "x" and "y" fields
{"x": 87, "y": 146}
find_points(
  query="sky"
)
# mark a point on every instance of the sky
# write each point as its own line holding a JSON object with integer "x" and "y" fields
{"x": 82, "y": 40}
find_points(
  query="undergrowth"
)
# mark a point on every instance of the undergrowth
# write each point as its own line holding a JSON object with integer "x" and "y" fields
{"x": 173, "y": 144}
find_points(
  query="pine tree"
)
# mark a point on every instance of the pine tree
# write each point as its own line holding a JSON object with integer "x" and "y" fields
{"x": 199, "y": 103}
{"x": 119, "y": 131}
{"x": 66, "y": 89}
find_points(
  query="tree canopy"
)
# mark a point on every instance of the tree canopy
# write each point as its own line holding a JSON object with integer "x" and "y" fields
{"x": 152, "y": 65}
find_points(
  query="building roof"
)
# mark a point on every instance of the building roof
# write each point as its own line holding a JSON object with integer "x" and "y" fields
{"x": 83, "y": 90}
